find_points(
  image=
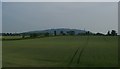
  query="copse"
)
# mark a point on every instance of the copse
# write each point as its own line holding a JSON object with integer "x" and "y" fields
{"x": 7, "y": 34}
{"x": 88, "y": 33}
{"x": 62, "y": 33}
{"x": 100, "y": 34}
{"x": 55, "y": 33}
{"x": 46, "y": 34}
{"x": 71, "y": 32}
{"x": 23, "y": 35}
{"x": 11, "y": 34}
{"x": 112, "y": 33}
{"x": 33, "y": 35}
{"x": 108, "y": 33}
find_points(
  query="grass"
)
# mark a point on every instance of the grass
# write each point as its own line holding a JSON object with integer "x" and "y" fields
{"x": 61, "y": 51}
{"x": 11, "y": 37}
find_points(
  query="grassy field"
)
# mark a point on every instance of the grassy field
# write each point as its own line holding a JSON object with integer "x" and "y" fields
{"x": 62, "y": 51}
{"x": 11, "y": 37}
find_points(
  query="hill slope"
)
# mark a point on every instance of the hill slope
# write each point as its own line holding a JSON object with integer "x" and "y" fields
{"x": 51, "y": 31}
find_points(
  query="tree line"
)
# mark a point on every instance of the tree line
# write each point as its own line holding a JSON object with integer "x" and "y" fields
{"x": 62, "y": 33}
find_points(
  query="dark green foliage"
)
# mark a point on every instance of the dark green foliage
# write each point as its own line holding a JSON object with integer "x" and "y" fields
{"x": 113, "y": 33}
{"x": 88, "y": 33}
{"x": 108, "y": 33}
{"x": 11, "y": 34}
{"x": 33, "y": 35}
{"x": 61, "y": 32}
{"x": 23, "y": 36}
{"x": 71, "y": 32}
{"x": 55, "y": 33}
{"x": 99, "y": 34}
{"x": 46, "y": 34}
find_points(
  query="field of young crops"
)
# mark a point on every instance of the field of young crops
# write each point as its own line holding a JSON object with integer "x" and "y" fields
{"x": 61, "y": 51}
{"x": 11, "y": 37}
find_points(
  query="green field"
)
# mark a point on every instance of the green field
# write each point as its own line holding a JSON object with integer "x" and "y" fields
{"x": 11, "y": 37}
{"x": 62, "y": 51}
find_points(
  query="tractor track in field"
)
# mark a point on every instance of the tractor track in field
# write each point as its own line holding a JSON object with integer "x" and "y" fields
{"x": 80, "y": 53}
{"x": 86, "y": 44}
{"x": 73, "y": 56}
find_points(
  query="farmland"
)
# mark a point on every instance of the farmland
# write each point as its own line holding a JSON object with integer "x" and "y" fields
{"x": 11, "y": 37}
{"x": 61, "y": 51}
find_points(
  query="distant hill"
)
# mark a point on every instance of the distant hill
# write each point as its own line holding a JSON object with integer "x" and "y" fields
{"x": 51, "y": 31}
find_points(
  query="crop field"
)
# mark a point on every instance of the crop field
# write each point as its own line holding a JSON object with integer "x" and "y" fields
{"x": 11, "y": 37}
{"x": 62, "y": 51}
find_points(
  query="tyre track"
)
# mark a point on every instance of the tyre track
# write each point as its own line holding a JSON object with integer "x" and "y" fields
{"x": 80, "y": 53}
{"x": 73, "y": 56}
{"x": 79, "y": 57}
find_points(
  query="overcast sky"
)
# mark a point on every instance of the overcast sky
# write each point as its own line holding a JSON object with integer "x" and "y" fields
{"x": 0, "y": 17}
{"x": 95, "y": 17}
{"x": 60, "y": 0}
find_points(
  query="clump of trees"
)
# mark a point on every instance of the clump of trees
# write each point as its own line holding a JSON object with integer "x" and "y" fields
{"x": 71, "y": 32}
{"x": 100, "y": 34}
{"x": 109, "y": 33}
{"x": 11, "y": 34}
{"x": 46, "y": 34}
{"x": 85, "y": 33}
{"x": 33, "y": 35}
{"x": 55, "y": 33}
{"x": 23, "y": 35}
{"x": 112, "y": 33}
{"x": 62, "y": 33}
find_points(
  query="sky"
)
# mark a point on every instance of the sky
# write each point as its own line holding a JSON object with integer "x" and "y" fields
{"x": 30, "y": 16}
{"x": 60, "y": 0}
{"x": 0, "y": 17}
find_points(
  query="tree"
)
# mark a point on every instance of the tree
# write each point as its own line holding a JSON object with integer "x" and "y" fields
{"x": 113, "y": 33}
{"x": 99, "y": 34}
{"x": 23, "y": 35}
{"x": 71, "y": 32}
{"x": 62, "y": 33}
{"x": 108, "y": 33}
{"x": 33, "y": 35}
{"x": 88, "y": 33}
{"x": 81, "y": 33}
{"x": 47, "y": 34}
{"x": 10, "y": 34}
{"x": 54, "y": 33}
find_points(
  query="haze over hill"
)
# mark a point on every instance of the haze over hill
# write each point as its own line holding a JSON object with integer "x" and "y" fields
{"x": 58, "y": 30}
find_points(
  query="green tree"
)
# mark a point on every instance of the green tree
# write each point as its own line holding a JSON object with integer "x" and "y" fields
{"x": 33, "y": 35}
{"x": 46, "y": 34}
{"x": 113, "y": 33}
{"x": 23, "y": 35}
{"x": 108, "y": 33}
{"x": 55, "y": 33}
{"x": 88, "y": 33}
{"x": 71, "y": 32}
{"x": 61, "y": 32}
